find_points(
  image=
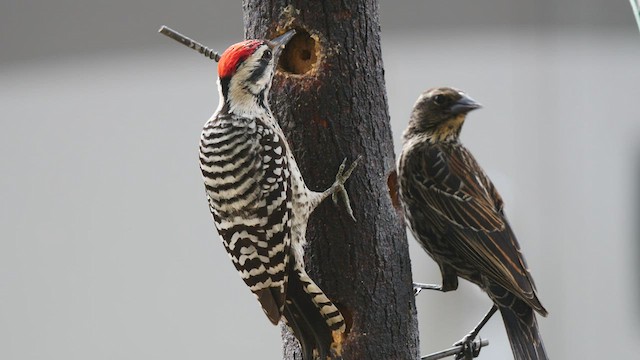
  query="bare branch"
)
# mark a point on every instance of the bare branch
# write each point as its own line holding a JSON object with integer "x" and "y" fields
{"x": 190, "y": 43}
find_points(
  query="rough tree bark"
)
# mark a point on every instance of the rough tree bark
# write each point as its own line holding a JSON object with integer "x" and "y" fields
{"x": 330, "y": 99}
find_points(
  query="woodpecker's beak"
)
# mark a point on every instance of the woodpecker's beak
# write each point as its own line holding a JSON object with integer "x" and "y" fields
{"x": 464, "y": 105}
{"x": 279, "y": 43}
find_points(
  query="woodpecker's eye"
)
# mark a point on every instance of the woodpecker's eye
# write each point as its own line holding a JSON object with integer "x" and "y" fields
{"x": 439, "y": 99}
{"x": 267, "y": 54}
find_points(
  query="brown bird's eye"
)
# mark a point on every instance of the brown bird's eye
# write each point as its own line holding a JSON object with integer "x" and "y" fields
{"x": 439, "y": 99}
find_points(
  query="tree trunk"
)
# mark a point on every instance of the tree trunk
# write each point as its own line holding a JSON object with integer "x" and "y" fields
{"x": 329, "y": 97}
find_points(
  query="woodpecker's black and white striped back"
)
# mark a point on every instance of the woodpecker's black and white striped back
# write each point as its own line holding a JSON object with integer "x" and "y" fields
{"x": 248, "y": 187}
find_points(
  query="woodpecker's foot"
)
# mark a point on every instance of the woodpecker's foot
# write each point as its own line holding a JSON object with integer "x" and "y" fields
{"x": 470, "y": 348}
{"x": 417, "y": 287}
{"x": 339, "y": 192}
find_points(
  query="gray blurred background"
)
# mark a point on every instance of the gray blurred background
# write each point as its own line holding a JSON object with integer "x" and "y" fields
{"x": 107, "y": 248}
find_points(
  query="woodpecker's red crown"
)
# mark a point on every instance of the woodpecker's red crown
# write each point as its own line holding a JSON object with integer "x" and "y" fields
{"x": 235, "y": 55}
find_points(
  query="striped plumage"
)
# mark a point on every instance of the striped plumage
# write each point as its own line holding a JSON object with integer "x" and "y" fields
{"x": 259, "y": 200}
{"x": 456, "y": 214}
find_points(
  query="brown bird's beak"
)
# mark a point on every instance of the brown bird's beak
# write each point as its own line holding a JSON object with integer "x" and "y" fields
{"x": 464, "y": 105}
{"x": 278, "y": 44}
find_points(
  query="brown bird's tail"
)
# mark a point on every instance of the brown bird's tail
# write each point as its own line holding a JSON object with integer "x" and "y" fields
{"x": 521, "y": 325}
{"x": 314, "y": 320}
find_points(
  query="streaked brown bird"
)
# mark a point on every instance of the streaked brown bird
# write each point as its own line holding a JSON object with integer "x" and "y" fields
{"x": 457, "y": 215}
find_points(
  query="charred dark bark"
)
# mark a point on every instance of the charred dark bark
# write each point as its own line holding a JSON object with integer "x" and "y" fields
{"x": 329, "y": 97}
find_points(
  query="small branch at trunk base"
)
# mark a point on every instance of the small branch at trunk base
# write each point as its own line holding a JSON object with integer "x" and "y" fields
{"x": 457, "y": 350}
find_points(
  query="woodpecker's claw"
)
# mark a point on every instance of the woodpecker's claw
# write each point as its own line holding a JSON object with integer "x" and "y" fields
{"x": 340, "y": 192}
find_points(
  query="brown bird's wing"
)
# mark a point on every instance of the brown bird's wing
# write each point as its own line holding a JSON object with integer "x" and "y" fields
{"x": 454, "y": 190}
{"x": 452, "y": 184}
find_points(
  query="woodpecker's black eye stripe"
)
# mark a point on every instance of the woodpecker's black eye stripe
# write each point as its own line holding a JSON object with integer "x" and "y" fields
{"x": 258, "y": 72}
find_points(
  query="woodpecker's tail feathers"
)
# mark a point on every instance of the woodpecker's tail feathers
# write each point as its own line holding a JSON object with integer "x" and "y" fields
{"x": 315, "y": 321}
{"x": 328, "y": 310}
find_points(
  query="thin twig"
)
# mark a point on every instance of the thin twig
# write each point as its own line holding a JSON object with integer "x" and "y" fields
{"x": 478, "y": 344}
{"x": 190, "y": 43}
{"x": 636, "y": 11}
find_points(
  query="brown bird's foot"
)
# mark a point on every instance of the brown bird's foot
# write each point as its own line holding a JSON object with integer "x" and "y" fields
{"x": 456, "y": 350}
{"x": 418, "y": 287}
{"x": 338, "y": 191}
{"x": 470, "y": 349}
